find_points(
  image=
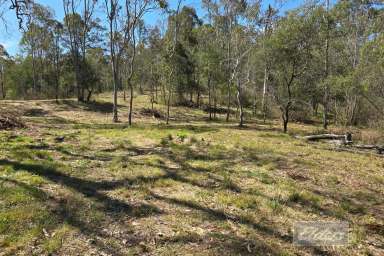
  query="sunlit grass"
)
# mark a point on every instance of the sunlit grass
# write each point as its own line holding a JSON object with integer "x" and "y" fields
{"x": 165, "y": 189}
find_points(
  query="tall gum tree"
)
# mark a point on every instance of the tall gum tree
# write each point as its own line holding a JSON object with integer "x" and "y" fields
{"x": 290, "y": 48}
{"x": 123, "y": 19}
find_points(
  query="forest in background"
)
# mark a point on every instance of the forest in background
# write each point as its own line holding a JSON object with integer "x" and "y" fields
{"x": 121, "y": 138}
{"x": 321, "y": 61}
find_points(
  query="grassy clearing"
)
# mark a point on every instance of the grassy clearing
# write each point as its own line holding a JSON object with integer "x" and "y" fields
{"x": 187, "y": 188}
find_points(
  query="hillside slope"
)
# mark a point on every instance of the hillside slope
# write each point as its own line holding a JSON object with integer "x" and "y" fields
{"x": 73, "y": 183}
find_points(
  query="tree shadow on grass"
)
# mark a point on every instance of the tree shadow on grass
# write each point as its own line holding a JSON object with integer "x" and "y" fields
{"x": 182, "y": 168}
{"x": 188, "y": 127}
{"x": 223, "y": 244}
{"x": 265, "y": 230}
{"x": 66, "y": 152}
{"x": 212, "y": 181}
{"x": 216, "y": 214}
{"x": 33, "y": 191}
{"x": 116, "y": 208}
{"x": 100, "y": 126}
{"x": 89, "y": 189}
{"x": 62, "y": 214}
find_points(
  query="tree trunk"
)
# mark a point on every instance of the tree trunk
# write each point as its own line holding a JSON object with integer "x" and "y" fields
{"x": 314, "y": 106}
{"x": 214, "y": 101}
{"x": 82, "y": 91}
{"x": 115, "y": 114}
{"x": 3, "y": 93}
{"x": 263, "y": 100}
{"x": 379, "y": 149}
{"x": 34, "y": 89}
{"x": 285, "y": 116}
{"x": 254, "y": 112}
{"x": 130, "y": 103}
{"x": 209, "y": 97}
{"x": 267, "y": 31}
{"x": 285, "y": 125}
{"x": 228, "y": 102}
{"x": 168, "y": 106}
{"x": 57, "y": 69}
{"x": 240, "y": 103}
{"x": 336, "y": 115}
{"x": 115, "y": 82}
{"x": 57, "y": 90}
{"x": 229, "y": 68}
{"x": 156, "y": 89}
{"x": 347, "y": 137}
{"x": 78, "y": 79}
{"x": 198, "y": 99}
{"x": 152, "y": 89}
{"x": 326, "y": 93}
{"x": 325, "y": 110}
{"x": 89, "y": 95}
{"x": 2, "y": 89}
{"x": 168, "y": 99}
{"x": 152, "y": 96}
{"x": 353, "y": 107}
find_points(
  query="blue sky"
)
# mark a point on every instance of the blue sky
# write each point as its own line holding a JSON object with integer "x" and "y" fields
{"x": 10, "y": 35}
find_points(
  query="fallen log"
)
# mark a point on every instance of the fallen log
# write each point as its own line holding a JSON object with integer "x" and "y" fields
{"x": 354, "y": 150}
{"x": 346, "y": 138}
{"x": 379, "y": 149}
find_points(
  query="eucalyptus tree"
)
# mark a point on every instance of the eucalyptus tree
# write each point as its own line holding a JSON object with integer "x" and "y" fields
{"x": 209, "y": 58}
{"x": 36, "y": 42}
{"x": 4, "y": 57}
{"x": 56, "y": 53}
{"x": 181, "y": 54}
{"x": 326, "y": 65}
{"x": 98, "y": 63}
{"x": 371, "y": 67}
{"x": 123, "y": 19}
{"x": 95, "y": 71}
{"x": 354, "y": 22}
{"x": 170, "y": 59}
{"x": 246, "y": 40}
{"x": 240, "y": 25}
{"x": 290, "y": 47}
{"x": 231, "y": 10}
{"x": 239, "y": 73}
{"x": 140, "y": 76}
{"x": 78, "y": 26}
{"x": 371, "y": 72}
{"x": 228, "y": 16}
{"x": 72, "y": 26}
{"x": 154, "y": 51}
{"x": 267, "y": 21}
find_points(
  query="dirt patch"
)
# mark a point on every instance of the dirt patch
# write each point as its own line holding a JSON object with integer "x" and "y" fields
{"x": 297, "y": 175}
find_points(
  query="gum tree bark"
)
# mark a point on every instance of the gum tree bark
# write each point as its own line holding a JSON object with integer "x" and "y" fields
{"x": 326, "y": 71}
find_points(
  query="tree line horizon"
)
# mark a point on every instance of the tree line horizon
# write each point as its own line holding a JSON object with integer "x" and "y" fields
{"x": 318, "y": 61}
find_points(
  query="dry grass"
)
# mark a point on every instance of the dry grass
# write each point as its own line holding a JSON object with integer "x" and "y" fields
{"x": 188, "y": 188}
